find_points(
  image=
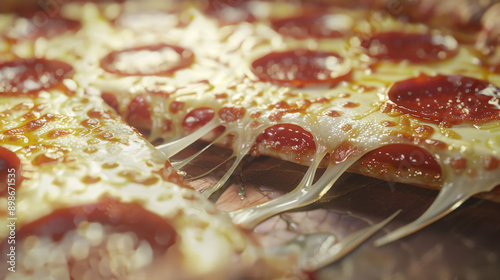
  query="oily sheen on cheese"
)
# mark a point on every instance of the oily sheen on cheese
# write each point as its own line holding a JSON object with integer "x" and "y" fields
{"x": 94, "y": 196}
{"x": 294, "y": 95}
{"x": 308, "y": 83}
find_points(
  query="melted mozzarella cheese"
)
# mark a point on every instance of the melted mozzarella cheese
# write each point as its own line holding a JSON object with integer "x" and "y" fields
{"x": 223, "y": 57}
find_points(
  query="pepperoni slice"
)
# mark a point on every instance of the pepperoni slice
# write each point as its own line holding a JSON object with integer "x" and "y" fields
{"x": 317, "y": 26}
{"x": 416, "y": 48}
{"x": 43, "y": 25}
{"x": 197, "y": 118}
{"x": 452, "y": 99}
{"x": 160, "y": 60}
{"x": 31, "y": 75}
{"x": 10, "y": 171}
{"x": 123, "y": 217}
{"x": 288, "y": 137}
{"x": 301, "y": 67}
{"x": 402, "y": 159}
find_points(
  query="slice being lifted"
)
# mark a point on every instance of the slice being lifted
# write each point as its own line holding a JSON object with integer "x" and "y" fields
{"x": 323, "y": 85}
{"x": 93, "y": 199}
{"x": 383, "y": 97}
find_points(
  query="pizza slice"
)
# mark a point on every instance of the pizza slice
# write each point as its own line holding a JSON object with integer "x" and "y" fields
{"x": 85, "y": 196}
{"x": 381, "y": 96}
{"x": 89, "y": 192}
{"x": 264, "y": 86}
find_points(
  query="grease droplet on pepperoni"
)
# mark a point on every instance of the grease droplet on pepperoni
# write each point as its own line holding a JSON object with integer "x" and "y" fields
{"x": 158, "y": 60}
{"x": 197, "y": 118}
{"x": 10, "y": 171}
{"x": 451, "y": 99}
{"x": 317, "y": 26}
{"x": 416, "y": 48}
{"x": 403, "y": 160}
{"x": 284, "y": 137}
{"x": 301, "y": 67}
{"x": 30, "y": 75}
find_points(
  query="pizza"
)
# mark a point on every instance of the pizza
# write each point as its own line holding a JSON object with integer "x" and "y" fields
{"x": 88, "y": 188}
{"x": 98, "y": 98}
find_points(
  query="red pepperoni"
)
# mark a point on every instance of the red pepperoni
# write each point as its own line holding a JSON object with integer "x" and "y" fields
{"x": 10, "y": 171}
{"x": 344, "y": 151}
{"x": 403, "y": 158}
{"x": 31, "y": 75}
{"x": 160, "y": 60}
{"x": 288, "y": 137}
{"x": 452, "y": 99}
{"x": 416, "y": 48}
{"x": 43, "y": 25}
{"x": 301, "y": 67}
{"x": 123, "y": 217}
{"x": 138, "y": 113}
{"x": 197, "y": 118}
{"x": 317, "y": 26}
